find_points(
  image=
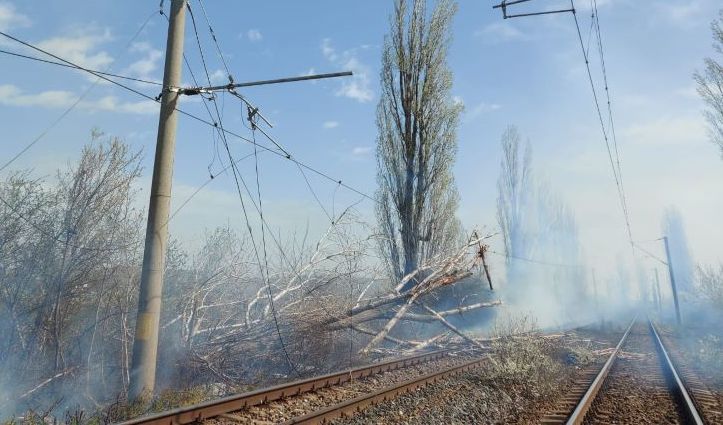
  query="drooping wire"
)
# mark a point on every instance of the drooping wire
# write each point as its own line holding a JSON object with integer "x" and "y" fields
{"x": 263, "y": 267}
{"x": 272, "y": 304}
{"x": 206, "y": 183}
{"x": 649, "y": 254}
{"x": 313, "y": 193}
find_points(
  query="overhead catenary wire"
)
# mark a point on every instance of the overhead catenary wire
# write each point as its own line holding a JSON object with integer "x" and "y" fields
{"x": 616, "y": 176}
{"x": 65, "y": 65}
{"x": 614, "y": 161}
{"x": 73, "y": 105}
{"x": 44, "y": 132}
{"x": 215, "y": 42}
{"x": 539, "y": 262}
{"x": 649, "y": 254}
{"x": 609, "y": 107}
{"x": 199, "y": 119}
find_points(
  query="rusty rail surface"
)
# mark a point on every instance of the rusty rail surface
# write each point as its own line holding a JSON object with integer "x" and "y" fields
{"x": 350, "y": 407}
{"x": 214, "y": 408}
{"x": 578, "y": 415}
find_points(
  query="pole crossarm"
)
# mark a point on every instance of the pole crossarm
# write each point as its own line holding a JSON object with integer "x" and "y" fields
{"x": 198, "y": 90}
{"x": 505, "y": 4}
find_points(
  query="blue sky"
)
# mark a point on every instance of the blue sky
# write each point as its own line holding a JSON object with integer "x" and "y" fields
{"x": 527, "y": 72}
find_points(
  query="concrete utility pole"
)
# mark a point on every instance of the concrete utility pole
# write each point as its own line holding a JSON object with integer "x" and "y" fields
{"x": 672, "y": 280}
{"x": 594, "y": 292}
{"x": 145, "y": 344}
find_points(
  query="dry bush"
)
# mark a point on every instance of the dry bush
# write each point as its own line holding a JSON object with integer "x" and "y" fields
{"x": 522, "y": 358}
{"x": 710, "y": 285}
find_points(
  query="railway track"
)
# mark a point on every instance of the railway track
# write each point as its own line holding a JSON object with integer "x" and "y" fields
{"x": 221, "y": 409}
{"x": 350, "y": 407}
{"x": 637, "y": 384}
{"x": 709, "y": 403}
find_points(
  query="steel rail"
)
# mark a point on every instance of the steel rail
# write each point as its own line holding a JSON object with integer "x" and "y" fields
{"x": 352, "y": 406}
{"x": 690, "y": 407}
{"x": 214, "y": 408}
{"x": 578, "y": 415}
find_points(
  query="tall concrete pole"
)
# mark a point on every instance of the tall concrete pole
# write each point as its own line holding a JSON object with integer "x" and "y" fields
{"x": 657, "y": 291}
{"x": 672, "y": 280}
{"x": 145, "y": 344}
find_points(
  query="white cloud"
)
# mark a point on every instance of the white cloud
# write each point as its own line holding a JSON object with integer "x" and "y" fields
{"x": 254, "y": 35}
{"x": 361, "y": 151}
{"x": 327, "y": 50}
{"x": 480, "y": 109}
{"x": 11, "y": 95}
{"x": 500, "y": 31}
{"x": 80, "y": 48}
{"x": 10, "y": 18}
{"x": 690, "y": 92}
{"x": 357, "y": 87}
{"x": 685, "y": 13}
{"x": 148, "y": 65}
{"x": 330, "y": 124}
{"x": 219, "y": 76}
{"x": 675, "y": 130}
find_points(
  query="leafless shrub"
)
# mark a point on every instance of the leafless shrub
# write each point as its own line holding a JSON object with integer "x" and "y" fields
{"x": 521, "y": 357}
{"x": 710, "y": 285}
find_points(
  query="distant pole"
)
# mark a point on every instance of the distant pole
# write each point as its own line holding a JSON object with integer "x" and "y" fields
{"x": 145, "y": 344}
{"x": 594, "y": 289}
{"x": 672, "y": 280}
{"x": 656, "y": 288}
{"x": 595, "y": 295}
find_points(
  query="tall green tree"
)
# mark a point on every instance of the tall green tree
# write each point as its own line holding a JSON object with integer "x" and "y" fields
{"x": 416, "y": 147}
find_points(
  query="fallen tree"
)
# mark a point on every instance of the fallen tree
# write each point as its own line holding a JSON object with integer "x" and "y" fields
{"x": 323, "y": 306}
{"x": 441, "y": 271}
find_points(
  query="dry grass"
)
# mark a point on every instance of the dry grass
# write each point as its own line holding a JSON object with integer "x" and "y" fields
{"x": 120, "y": 410}
{"x": 523, "y": 358}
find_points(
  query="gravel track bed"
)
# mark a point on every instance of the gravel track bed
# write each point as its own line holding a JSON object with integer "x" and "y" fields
{"x": 281, "y": 410}
{"x": 467, "y": 398}
{"x": 636, "y": 390}
{"x": 476, "y": 397}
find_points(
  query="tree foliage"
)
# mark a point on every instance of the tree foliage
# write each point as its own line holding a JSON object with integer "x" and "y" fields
{"x": 417, "y": 121}
{"x": 710, "y": 85}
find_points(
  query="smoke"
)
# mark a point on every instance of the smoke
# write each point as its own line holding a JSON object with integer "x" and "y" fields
{"x": 672, "y": 226}
{"x": 545, "y": 270}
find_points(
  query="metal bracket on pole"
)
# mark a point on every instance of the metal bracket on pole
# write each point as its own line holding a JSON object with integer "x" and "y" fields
{"x": 197, "y": 90}
{"x": 504, "y": 4}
